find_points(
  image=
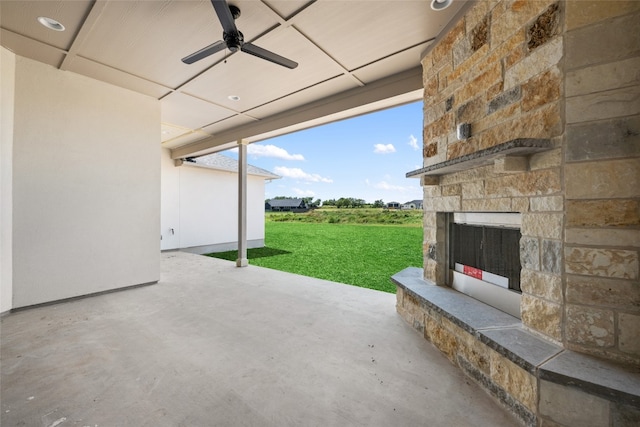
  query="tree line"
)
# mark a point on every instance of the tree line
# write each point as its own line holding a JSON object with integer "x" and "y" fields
{"x": 342, "y": 202}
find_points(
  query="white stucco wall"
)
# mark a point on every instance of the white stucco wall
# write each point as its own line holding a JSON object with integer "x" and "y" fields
{"x": 86, "y": 186}
{"x": 7, "y": 82}
{"x": 170, "y": 203}
{"x": 201, "y": 205}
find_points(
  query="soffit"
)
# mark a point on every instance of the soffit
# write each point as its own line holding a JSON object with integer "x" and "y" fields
{"x": 354, "y": 57}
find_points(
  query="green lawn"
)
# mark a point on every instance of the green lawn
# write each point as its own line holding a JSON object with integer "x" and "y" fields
{"x": 361, "y": 255}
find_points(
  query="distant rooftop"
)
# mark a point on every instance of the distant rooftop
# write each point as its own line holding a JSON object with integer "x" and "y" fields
{"x": 221, "y": 162}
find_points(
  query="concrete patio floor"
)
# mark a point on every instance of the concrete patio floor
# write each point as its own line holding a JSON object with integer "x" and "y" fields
{"x": 215, "y": 345}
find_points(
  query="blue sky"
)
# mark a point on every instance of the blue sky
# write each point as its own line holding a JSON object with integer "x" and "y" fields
{"x": 366, "y": 157}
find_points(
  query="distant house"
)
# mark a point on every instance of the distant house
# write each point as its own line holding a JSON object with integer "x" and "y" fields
{"x": 199, "y": 204}
{"x": 286, "y": 205}
{"x": 413, "y": 204}
{"x": 393, "y": 205}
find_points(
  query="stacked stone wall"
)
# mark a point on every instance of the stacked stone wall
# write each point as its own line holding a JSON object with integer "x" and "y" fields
{"x": 513, "y": 386}
{"x": 566, "y": 72}
{"x": 499, "y": 69}
{"x": 602, "y": 179}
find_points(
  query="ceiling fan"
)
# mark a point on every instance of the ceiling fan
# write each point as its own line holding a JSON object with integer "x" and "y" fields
{"x": 233, "y": 39}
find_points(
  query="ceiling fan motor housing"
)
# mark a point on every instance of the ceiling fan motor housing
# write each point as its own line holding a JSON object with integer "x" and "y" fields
{"x": 234, "y": 40}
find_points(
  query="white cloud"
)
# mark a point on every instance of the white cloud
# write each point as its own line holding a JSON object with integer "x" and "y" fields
{"x": 269, "y": 150}
{"x": 297, "y": 173}
{"x": 384, "y": 185}
{"x": 304, "y": 193}
{"x": 384, "y": 148}
{"x": 413, "y": 142}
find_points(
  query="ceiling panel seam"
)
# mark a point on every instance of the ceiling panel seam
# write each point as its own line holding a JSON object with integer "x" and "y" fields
{"x": 382, "y": 58}
{"x": 210, "y": 102}
{"x": 294, "y": 92}
{"x": 81, "y": 36}
{"x": 345, "y": 70}
{"x": 41, "y": 43}
{"x": 127, "y": 73}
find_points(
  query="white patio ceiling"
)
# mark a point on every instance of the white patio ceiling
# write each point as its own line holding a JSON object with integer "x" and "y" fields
{"x": 354, "y": 57}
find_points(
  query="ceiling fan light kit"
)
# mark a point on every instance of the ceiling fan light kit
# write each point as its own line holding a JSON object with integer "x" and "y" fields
{"x": 233, "y": 39}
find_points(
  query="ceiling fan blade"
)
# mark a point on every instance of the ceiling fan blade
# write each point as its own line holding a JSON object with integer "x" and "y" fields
{"x": 268, "y": 55}
{"x": 224, "y": 15}
{"x": 204, "y": 52}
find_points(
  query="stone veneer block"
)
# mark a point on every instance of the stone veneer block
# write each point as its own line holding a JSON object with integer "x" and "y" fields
{"x": 551, "y": 256}
{"x": 488, "y": 78}
{"x": 541, "y": 123}
{"x": 593, "y": 44}
{"x": 471, "y": 111}
{"x": 530, "y": 253}
{"x": 429, "y": 181}
{"x": 540, "y": 60}
{"x": 581, "y": 13}
{"x": 514, "y": 380}
{"x": 511, "y": 164}
{"x": 516, "y": 16}
{"x": 547, "y": 225}
{"x": 602, "y": 262}
{"x": 487, "y": 205}
{"x": 597, "y": 291}
{"x": 629, "y": 326}
{"x": 542, "y": 89}
{"x": 542, "y": 315}
{"x": 546, "y": 160}
{"x": 547, "y": 204}
{"x": 472, "y": 190}
{"x": 603, "y": 105}
{"x": 614, "y": 138}
{"x": 602, "y": 237}
{"x": 591, "y": 326}
{"x": 447, "y": 204}
{"x": 542, "y": 285}
{"x": 504, "y": 99}
{"x": 501, "y": 116}
{"x": 609, "y": 380}
{"x": 603, "y": 179}
{"x": 535, "y": 183}
{"x": 603, "y": 77}
{"x": 608, "y": 212}
{"x": 445, "y": 46}
{"x": 571, "y": 407}
{"x": 519, "y": 204}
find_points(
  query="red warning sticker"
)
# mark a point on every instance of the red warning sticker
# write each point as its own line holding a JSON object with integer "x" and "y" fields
{"x": 473, "y": 272}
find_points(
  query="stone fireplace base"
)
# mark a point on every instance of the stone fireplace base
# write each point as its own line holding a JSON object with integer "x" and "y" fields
{"x": 540, "y": 382}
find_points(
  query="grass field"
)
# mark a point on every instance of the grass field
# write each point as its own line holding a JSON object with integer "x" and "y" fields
{"x": 343, "y": 251}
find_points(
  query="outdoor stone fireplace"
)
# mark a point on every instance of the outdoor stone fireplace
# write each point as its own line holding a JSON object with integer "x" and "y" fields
{"x": 551, "y": 93}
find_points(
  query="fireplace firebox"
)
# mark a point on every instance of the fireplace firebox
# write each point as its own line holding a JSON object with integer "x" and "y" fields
{"x": 484, "y": 258}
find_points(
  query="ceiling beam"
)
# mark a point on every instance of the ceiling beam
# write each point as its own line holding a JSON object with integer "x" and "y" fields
{"x": 347, "y": 104}
{"x": 85, "y": 30}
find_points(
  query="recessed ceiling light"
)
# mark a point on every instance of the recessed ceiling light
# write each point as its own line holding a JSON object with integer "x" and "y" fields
{"x": 50, "y": 23}
{"x": 234, "y": 97}
{"x": 440, "y": 4}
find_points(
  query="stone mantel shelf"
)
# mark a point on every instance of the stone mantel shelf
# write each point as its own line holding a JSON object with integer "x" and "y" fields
{"x": 515, "y": 147}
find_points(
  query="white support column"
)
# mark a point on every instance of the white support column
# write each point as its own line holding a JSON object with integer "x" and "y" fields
{"x": 242, "y": 204}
